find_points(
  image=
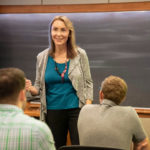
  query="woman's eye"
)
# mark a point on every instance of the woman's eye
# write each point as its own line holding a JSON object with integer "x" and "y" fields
{"x": 55, "y": 29}
{"x": 63, "y": 29}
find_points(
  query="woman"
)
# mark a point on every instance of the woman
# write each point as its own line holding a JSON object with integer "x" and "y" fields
{"x": 63, "y": 81}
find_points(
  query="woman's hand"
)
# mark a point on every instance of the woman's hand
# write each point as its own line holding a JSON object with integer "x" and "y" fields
{"x": 30, "y": 88}
{"x": 88, "y": 101}
{"x": 28, "y": 84}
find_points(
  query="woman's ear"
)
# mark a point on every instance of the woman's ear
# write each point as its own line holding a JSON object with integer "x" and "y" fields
{"x": 101, "y": 96}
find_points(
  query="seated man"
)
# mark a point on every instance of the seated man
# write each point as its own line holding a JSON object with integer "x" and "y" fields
{"x": 111, "y": 125}
{"x": 17, "y": 130}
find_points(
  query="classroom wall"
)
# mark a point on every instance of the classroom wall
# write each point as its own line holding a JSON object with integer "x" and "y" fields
{"x": 60, "y": 2}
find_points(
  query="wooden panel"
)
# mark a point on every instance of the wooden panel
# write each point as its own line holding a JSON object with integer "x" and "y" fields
{"x": 143, "y": 112}
{"x": 146, "y": 124}
{"x": 76, "y": 8}
{"x": 120, "y": 1}
{"x": 52, "y": 2}
{"x": 33, "y": 109}
{"x": 20, "y": 2}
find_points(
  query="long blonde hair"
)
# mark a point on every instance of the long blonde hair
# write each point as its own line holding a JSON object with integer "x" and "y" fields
{"x": 71, "y": 44}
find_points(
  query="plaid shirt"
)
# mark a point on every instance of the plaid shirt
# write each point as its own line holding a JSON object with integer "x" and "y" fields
{"x": 21, "y": 132}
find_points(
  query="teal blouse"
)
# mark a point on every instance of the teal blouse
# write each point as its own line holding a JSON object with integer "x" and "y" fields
{"x": 59, "y": 95}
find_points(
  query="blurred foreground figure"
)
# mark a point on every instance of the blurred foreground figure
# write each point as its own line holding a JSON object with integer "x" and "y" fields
{"x": 17, "y": 130}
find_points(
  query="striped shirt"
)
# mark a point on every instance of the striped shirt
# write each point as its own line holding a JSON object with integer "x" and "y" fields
{"x": 21, "y": 132}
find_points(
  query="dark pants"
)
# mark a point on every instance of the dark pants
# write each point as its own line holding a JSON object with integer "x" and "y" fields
{"x": 60, "y": 121}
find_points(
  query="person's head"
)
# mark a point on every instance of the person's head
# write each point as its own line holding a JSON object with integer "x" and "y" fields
{"x": 62, "y": 33}
{"x": 12, "y": 86}
{"x": 113, "y": 88}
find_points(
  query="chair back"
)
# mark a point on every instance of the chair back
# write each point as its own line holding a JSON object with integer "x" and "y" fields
{"x": 80, "y": 147}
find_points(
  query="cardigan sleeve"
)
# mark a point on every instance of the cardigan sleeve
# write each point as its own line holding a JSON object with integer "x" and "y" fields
{"x": 88, "y": 82}
{"x": 38, "y": 75}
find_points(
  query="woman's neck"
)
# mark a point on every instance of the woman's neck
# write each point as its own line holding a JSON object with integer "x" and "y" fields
{"x": 60, "y": 51}
{"x": 60, "y": 54}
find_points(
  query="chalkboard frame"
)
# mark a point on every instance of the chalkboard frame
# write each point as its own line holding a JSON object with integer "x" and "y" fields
{"x": 104, "y": 6}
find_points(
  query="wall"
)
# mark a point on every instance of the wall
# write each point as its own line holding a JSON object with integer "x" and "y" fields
{"x": 60, "y": 2}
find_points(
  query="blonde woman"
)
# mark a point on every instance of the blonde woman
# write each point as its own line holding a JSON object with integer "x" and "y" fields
{"x": 63, "y": 80}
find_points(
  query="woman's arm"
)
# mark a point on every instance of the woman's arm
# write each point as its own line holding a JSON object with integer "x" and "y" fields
{"x": 87, "y": 77}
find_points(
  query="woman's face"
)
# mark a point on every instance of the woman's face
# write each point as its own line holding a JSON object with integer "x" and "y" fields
{"x": 59, "y": 33}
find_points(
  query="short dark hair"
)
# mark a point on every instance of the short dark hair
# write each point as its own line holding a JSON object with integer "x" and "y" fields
{"x": 114, "y": 88}
{"x": 12, "y": 81}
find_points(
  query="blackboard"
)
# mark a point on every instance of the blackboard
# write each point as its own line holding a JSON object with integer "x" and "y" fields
{"x": 117, "y": 43}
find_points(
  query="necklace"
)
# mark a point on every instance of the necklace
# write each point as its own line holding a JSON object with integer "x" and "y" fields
{"x": 63, "y": 73}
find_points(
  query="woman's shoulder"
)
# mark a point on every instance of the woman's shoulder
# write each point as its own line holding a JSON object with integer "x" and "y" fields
{"x": 81, "y": 52}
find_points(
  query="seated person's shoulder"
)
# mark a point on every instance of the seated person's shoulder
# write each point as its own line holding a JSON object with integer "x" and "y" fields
{"x": 39, "y": 129}
{"x": 89, "y": 107}
{"x": 125, "y": 108}
{"x": 128, "y": 111}
{"x": 33, "y": 123}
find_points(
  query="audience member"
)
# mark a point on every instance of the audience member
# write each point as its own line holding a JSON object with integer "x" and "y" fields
{"x": 17, "y": 130}
{"x": 111, "y": 125}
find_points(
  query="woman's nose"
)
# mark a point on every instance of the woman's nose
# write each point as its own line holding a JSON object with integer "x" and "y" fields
{"x": 58, "y": 33}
